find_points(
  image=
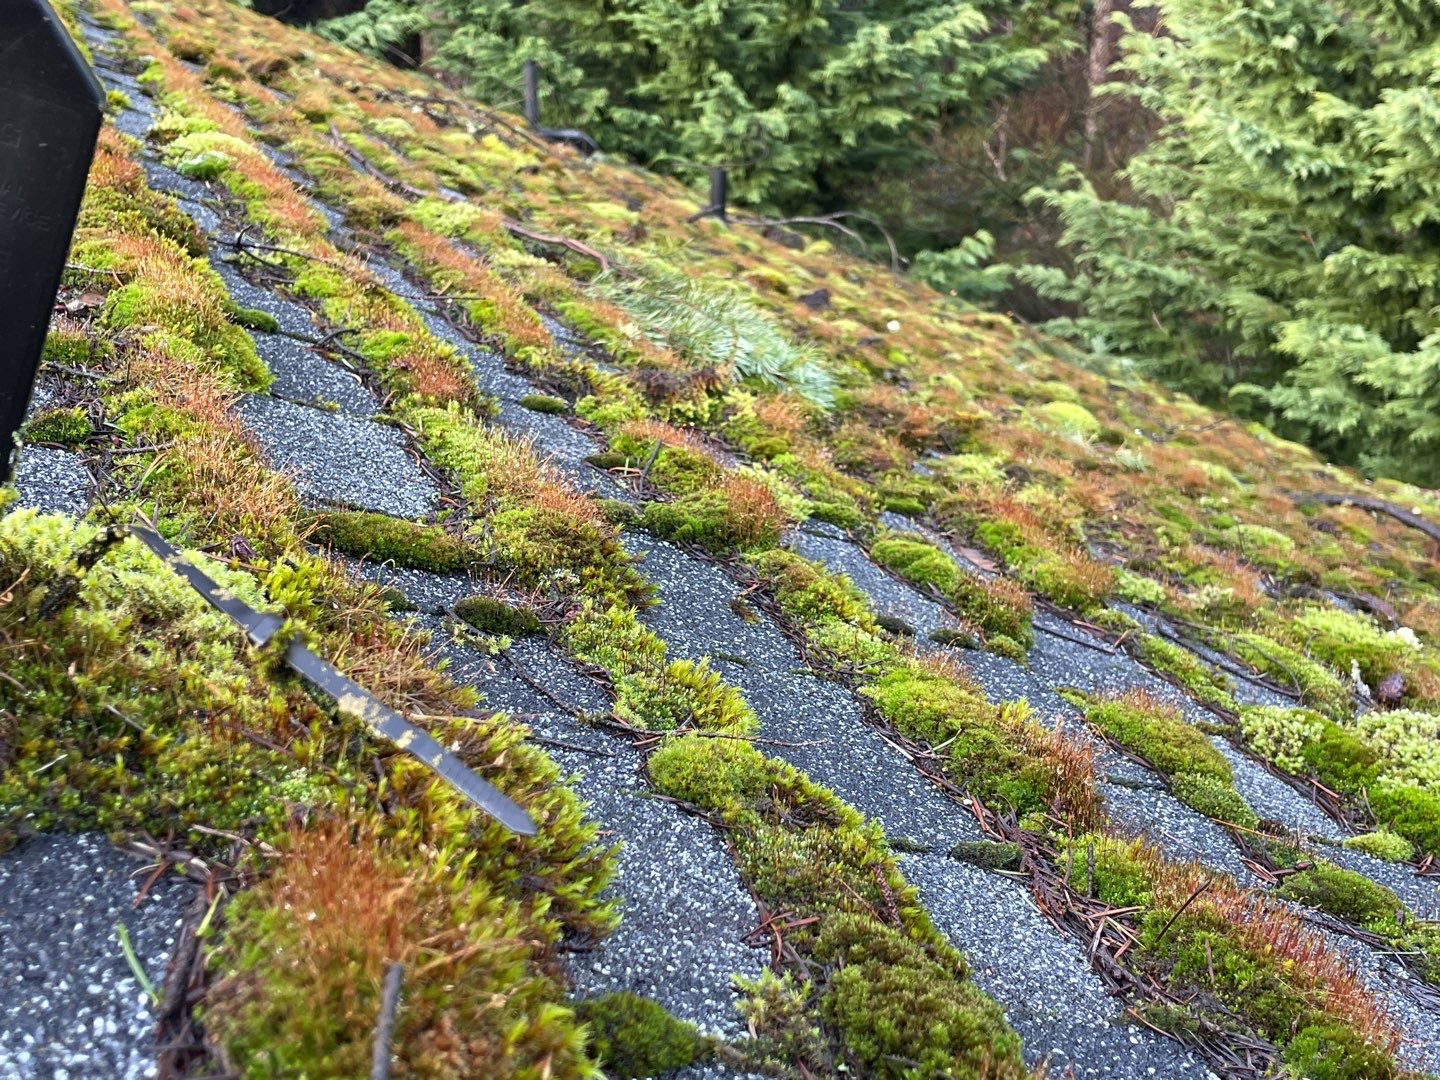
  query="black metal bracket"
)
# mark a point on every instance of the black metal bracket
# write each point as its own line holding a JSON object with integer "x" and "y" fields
{"x": 50, "y": 112}
{"x": 576, "y": 138}
{"x": 350, "y": 697}
{"x": 719, "y": 197}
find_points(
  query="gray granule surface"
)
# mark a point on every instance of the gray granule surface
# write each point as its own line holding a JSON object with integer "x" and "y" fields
{"x": 1272, "y": 798}
{"x": 70, "y": 1007}
{"x": 337, "y": 459}
{"x": 292, "y": 317}
{"x": 55, "y": 481}
{"x": 429, "y": 592}
{"x": 684, "y": 910}
{"x": 1041, "y": 977}
{"x": 890, "y": 597}
{"x": 1174, "y": 828}
{"x": 564, "y": 446}
{"x": 697, "y": 618}
{"x": 305, "y": 377}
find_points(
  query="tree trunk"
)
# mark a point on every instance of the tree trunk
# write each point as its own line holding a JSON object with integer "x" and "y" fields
{"x": 1096, "y": 73}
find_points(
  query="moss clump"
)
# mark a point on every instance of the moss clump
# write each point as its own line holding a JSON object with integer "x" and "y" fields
{"x": 491, "y": 615}
{"x": 1008, "y": 647}
{"x": 1318, "y": 686}
{"x": 188, "y": 320}
{"x": 1259, "y": 964}
{"x": 1345, "y": 893}
{"x": 894, "y": 1002}
{"x": 716, "y": 521}
{"x": 954, "y": 638}
{"x": 917, "y": 561}
{"x": 1336, "y": 1052}
{"x": 544, "y": 403}
{"x": 998, "y": 607}
{"x": 1382, "y": 845}
{"x": 999, "y": 753}
{"x": 633, "y": 1036}
{"x": 1068, "y": 418}
{"x": 1199, "y": 775}
{"x": 68, "y": 427}
{"x": 1199, "y": 680}
{"x": 253, "y": 318}
{"x": 1157, "y": 731}
{"x": 1215, "y": 798}
{"x": 1304, "y": 742}
{"x": 393, "y": 540}
{"x": 988, "y": 854}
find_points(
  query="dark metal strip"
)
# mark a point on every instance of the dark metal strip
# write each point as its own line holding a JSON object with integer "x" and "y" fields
{"x": 349, "y": 696}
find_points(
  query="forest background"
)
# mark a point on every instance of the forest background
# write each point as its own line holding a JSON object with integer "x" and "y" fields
{"x": 1236, "y": 198}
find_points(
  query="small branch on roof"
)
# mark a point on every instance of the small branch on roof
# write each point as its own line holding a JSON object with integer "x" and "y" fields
{"x": 1379, "y": 506}
{"x": 835, "y": 221}
{"x": 563, "y": 241}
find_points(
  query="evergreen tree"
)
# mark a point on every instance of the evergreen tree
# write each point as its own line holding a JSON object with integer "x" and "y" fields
{"x": 798, "y": 97}
{"x": 1281, "y": 239}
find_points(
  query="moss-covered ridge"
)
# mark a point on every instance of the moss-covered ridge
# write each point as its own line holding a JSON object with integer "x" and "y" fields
{"x": 1019, "y": 469}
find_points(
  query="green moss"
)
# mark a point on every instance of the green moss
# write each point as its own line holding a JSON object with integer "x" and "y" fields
{"x": 916, "y": 561}
{"x": 1412, "y": 813}
{"x": 1136, "y": 589}
{"x": 1008, "y": 647}
{"x": 394, "y": 540}
{"x": 709, "y": 519}
{"x": 1159, "y": 733}
{"x": 985, "y": 748}
{"x": 1199, "y": 680}
{"x": 727, "y": 777}
{"x": 1344, "y": 893}
{"x": 1336, "y": 1052}
{"x": 901, "y": 1013}
{"x": 633, "y": 1036}
{"x": 491, "y": 615}
{"x": 70, "y": 348}
{"x": 190, "y": 325}
{"x": 998, "y": 607}
{"x": 253, "y": 318}
{"x": 1382, "y": 845}
{"x": 68, "y": 427}
{"x": 544, "y": 403}
{"x": 1068, "y": 418}
{"x": 809, "y": 593}
{"x": 1319, "y": 688}
{"x": 1215, "y": 798}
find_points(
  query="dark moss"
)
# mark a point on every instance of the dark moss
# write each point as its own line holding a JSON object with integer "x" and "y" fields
{"x": 895, "y": 625}
{"x": 544, "y": 403}
{"x": 633, "y": 1036}
{"x": 609, "y": 459}
{"x": 393, "y": 540}
{"x": 620, "y": 513}
{"x": 988, "y": 854}
{"x": 954, "y": 638}
{"x": 491, "y": 615}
